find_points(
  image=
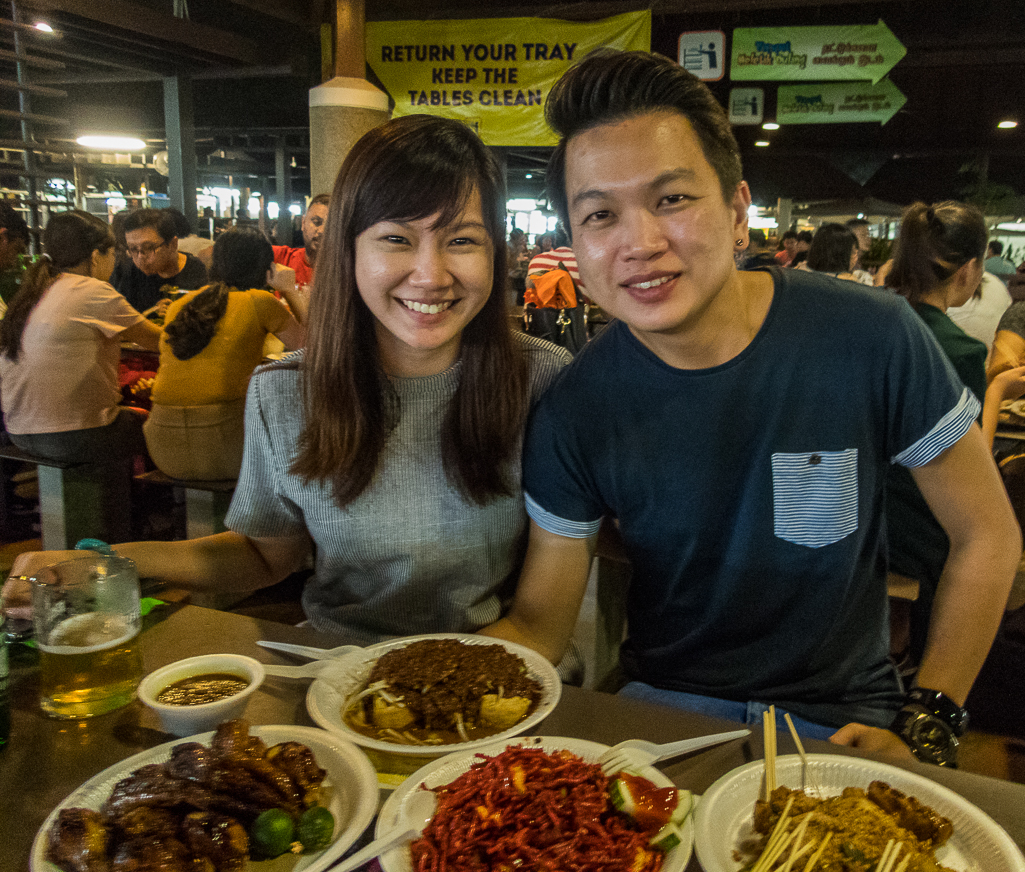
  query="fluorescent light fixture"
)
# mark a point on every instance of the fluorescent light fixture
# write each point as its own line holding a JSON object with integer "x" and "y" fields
{"x": 762, "y": 143}
{"x": 770, "y": 125}
{"x": 43, "y": 26}
{"x": 521, "y": 205}
{"x": 1007, "y": 125}
{"x": 529, "y": 176}
{"x": 112, "y": 143}
{"x": 1011, "y": 225}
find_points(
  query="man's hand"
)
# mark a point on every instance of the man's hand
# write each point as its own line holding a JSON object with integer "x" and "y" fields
{"x": 872, "y": 739}
{"x": 281, "y": 278}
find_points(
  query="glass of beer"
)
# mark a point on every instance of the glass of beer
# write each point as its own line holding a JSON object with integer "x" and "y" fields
{"x": 86, "y": 618}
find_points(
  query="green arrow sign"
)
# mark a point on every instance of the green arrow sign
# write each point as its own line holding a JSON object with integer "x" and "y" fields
{"x": 838, "y": 103}
{"x": 789, "y": 54}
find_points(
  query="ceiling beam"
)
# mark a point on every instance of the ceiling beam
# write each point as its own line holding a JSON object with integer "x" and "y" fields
{"x": 298, "y": 12}
{"x": 145, "y": 20}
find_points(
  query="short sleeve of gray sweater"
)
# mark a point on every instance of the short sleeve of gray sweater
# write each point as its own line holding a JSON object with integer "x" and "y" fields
{"x": 410, "y": 555}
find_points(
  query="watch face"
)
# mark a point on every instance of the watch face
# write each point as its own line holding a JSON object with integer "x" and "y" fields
{"x": 933, "y": 740}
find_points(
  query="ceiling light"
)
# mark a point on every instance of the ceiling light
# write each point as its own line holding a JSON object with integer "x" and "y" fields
{"x": 761, "y": 143}
{"x": 1007, "y": 125}
{"x": 112, "y": 143}
{"x": 529, "y": 176}
{"x": 770, "y": 125}
{"x": 43, "y": 26}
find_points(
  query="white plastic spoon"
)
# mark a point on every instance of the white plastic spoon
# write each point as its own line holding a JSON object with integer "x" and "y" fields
{"x": 418, "y": 812}
{"x": 307, "y": 651}
{"x": 307, "y": 670}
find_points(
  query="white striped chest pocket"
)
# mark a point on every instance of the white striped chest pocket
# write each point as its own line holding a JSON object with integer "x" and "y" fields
{"x": 815, "y": 496}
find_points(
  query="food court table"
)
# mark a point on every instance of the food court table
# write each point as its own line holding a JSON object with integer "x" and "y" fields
{"x": 48, "y": 759}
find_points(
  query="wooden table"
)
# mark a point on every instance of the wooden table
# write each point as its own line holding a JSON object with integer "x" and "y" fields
{"x": 47, "y": 759}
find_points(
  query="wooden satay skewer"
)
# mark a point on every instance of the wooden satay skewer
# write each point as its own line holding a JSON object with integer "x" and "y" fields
{"x": 769, "y": 743}
{"x": 806, "y": 769}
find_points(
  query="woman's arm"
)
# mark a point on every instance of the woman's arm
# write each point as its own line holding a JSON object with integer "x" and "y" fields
{"x": 144, "y": 333}
{"x": 1008, "y": 385}
{"x": 1008, "y": 352}
{"x": 227, "y": 562}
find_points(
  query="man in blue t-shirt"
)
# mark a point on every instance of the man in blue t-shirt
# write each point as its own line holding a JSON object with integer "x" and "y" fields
{"x": 738, "y": 426}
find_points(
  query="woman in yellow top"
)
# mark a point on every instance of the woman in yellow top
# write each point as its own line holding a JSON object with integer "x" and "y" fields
{"x": 212, "y": 341}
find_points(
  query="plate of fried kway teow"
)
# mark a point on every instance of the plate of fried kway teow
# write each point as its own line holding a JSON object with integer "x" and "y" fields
{"x": 409, "y": 701}
{"x": 263, "y": 798}
{"x": 833, "y": 813}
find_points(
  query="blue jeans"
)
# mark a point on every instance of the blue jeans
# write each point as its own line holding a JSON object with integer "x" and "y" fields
{"x": 749, "y": 713}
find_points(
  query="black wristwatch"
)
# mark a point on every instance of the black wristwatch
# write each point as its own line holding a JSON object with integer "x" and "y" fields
{"x": 942, "y": 706}
{"x": 930, "y": 738}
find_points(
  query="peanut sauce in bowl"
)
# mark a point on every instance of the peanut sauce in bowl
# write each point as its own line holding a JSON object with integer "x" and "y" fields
{"x": 201, "y": 689}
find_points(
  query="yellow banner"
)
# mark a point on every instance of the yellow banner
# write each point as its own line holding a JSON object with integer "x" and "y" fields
{"x": 491, "y": 73}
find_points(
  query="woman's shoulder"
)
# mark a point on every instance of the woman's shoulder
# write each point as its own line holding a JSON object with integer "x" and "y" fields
{"x": 544, "y": 361}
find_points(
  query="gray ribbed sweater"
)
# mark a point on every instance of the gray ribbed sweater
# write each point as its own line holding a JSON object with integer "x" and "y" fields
{"x": 409, "y": 555}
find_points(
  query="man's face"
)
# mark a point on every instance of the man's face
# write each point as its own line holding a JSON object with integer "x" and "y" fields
{"x": 653, "y": 237}
{"x": 860, "y": 232}
{"x": 313, "y": 228}
{"x": 151, "y": 254}
{"x": 10, "y": 248}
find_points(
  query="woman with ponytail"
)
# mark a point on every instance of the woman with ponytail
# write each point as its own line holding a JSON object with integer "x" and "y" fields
{"x": 213, "y": 339}
{"x": 938, "y": 264}
{"x": 60, "y": 349}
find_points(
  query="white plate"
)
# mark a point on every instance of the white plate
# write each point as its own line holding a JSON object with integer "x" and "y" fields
{"x": 724, "y": 816}
{"x": 446, "y": 770}
{"x": 350, "y": 777}
{"x": 347, "y": 675}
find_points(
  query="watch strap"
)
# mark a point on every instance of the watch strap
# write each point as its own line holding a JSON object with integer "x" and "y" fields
{"x": 937, "y": 703}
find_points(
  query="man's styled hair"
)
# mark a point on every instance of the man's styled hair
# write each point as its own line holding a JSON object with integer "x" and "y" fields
{"x": 609, "y": 86}
{"x": 319, "y": 200}
{"x": 996, "y": 247}
{"x": 160, "y": 220}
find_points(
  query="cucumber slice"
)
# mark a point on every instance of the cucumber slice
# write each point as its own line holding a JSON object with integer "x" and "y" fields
{"x": 667, "y": 838}
{"x": 622, "y": 798}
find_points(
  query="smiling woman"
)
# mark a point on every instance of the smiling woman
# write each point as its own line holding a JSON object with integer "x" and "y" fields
{"x": 392, "y": 443}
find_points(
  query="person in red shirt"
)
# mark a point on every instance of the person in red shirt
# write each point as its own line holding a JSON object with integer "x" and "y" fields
{"x": 303, "y": 260}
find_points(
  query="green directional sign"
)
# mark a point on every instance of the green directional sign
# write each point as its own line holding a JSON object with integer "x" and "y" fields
{"x": 840, "y": 52}
{"x": 838, "y": 102}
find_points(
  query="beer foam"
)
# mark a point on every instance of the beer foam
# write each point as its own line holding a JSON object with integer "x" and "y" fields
{"x": 83, "y": 634}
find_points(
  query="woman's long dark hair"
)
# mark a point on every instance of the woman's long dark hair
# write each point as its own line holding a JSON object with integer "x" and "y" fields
{"x": 831, "y": 249}
{"x": 70, "y": 238}
{"x": 407, "y": 169}
{"x": 934, "y": 243}
{"x": 241, "y": 259}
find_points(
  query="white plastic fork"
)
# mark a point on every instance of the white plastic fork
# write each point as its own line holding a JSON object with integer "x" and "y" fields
{"x": 638, "y": 753}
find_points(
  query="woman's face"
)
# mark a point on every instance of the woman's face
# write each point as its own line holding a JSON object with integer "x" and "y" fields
{"x": 103, "y": 263}
{"x": 423, "y": 285}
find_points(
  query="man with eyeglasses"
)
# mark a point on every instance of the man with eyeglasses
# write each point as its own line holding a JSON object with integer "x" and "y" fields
{"x": 154, "y": 260}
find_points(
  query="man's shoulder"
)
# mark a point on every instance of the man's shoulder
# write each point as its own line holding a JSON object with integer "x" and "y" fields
{"x": 192, "y": 275}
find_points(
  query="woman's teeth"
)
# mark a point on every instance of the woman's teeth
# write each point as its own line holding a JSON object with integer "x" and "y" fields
{"x": 432, "y": 309}
{"x": 653, "y": 283}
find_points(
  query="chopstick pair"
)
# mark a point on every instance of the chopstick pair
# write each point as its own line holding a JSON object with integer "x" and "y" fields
{"x": 769, "y": 737}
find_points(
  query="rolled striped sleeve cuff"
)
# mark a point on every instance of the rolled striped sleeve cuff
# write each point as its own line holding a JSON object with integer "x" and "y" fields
{"x": 947, "y": 431}
{"x": 560, "y": 526}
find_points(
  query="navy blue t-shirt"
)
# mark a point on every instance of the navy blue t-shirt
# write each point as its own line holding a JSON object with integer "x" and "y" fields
{"x": 750, "y": 495}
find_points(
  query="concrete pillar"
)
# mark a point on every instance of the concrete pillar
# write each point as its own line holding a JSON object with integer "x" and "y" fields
{"x": 181, "y": 145}
{"x": 347, "y": 106}
{"x": 784, "y": 214}
{"x": 341, "y": 111}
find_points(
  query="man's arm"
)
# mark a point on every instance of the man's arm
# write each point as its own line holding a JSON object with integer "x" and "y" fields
{"x": 548, "y": 596}
{"x": 965, "y": 493}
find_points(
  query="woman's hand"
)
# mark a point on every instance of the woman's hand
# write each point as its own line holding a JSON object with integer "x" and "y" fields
{"x": 17, "y": 592}
{"x": 1010, "y": 384}
{"x": 874, "y": 740}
